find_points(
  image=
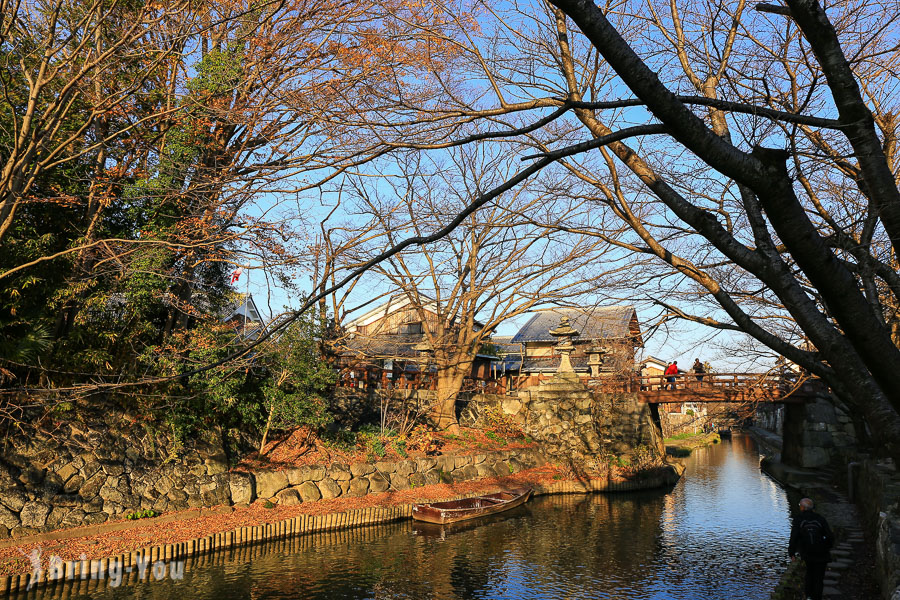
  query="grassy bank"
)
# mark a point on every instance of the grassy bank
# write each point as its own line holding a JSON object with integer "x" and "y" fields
{"x": 683, "y": 444}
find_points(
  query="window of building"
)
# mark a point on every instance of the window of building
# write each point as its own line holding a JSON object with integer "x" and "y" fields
{"x": 411, "y": 328}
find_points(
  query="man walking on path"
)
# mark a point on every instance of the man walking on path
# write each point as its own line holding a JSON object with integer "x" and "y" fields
{"x": 671, "y": 372}
{"x": 811, "y": 538}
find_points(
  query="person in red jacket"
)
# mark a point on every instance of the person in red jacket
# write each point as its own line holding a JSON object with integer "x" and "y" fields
{"x": 671, "y": 372}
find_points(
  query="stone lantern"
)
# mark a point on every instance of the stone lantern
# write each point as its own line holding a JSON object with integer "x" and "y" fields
{"x": 564, "y": 334}
{"x": 596, "y": 358}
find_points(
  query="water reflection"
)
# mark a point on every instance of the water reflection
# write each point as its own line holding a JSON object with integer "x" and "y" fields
{"x": 720, "y": 533}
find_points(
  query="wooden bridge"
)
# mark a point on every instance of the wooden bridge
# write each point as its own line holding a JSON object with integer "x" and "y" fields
{"x": 714, "y": 387}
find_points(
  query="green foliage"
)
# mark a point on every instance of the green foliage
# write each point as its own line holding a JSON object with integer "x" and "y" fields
{"x": 218, "y": 73}
{"x": 297, "y": 381}
{"x": 644, "y": 457}
{"x": 685, "y": 436}
{"x": 268, "y": 504}
{"x": 496, "y": 438}
{"x": 679, "y": 452}
{"x": 400, "y": 447}
{"x": 142, "y": 514}
{"x": 223, "y": 397}
{"x": 489, "y": 349}
{"x": 342, "y": 440}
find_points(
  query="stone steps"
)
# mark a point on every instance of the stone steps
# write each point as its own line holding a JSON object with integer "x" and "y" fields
{"x": 845, "y": 521}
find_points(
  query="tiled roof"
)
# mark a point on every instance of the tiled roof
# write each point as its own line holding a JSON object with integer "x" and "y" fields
{"x": 601, "y": 323}
{"x": 505, "y": 346}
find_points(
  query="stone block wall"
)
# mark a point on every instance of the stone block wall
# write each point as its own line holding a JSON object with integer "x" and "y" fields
{"x": 85, "y": 474}
{"x": 877, "y": 491}
{"x": 471, "y": 408}
{"x": 571, "y": 421}
{"x": 769, "y": 417}
{"x": 307, "y": 484}
{"x": 814, "y": 432}
{"x": 559, "y": 415}
{"x": 91, "y": 473}
{"x": 353, "y": 407}
{"x": 624, "y": 423}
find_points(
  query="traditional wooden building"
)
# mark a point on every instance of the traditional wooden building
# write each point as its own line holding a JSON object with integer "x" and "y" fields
{"x": 507, "y": 369}
{"x": 245, "y": 317}
{"x": 606, "y": 345}
{"x": 388, "y": 346}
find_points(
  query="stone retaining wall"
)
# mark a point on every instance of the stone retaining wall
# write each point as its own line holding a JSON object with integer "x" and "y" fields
{"x": 307, "y": 484}
{"x": 572, "y": 422}
{"x": 815, "y": 432}
{"x": 88, "y": 477}
{"x": 353, "y": 407}
{"x": 877, "y": 491}
{"x": 89, "y": 472}
{"x": 106, "y": 466}
{"x": 676, "y": 423}
{"x": 71, "y": 578}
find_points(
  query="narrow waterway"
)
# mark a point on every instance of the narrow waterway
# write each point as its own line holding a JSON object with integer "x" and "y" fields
{"x": 720, "y": 533}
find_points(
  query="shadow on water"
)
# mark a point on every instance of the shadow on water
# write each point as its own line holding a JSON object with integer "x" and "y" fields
{"x": 721, "y": 532}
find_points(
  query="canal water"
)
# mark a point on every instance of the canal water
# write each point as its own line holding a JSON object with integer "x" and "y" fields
{"x": 721, "y": 532}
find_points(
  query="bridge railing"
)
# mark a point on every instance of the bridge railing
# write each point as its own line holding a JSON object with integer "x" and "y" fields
{"x": 772, "y": 384}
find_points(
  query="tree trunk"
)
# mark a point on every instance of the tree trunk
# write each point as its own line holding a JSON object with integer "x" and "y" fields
{"x": 265, "y": 436}
{"x": 449, "y": 382}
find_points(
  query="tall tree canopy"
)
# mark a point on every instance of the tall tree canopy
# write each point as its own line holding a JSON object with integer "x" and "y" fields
{"x": 148, "y": 149}
{"x": 750, "y": 150}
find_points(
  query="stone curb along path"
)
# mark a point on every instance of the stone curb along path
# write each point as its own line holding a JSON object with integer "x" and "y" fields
{"x": 843, "y": 517}
{"x": 152, "y": 562}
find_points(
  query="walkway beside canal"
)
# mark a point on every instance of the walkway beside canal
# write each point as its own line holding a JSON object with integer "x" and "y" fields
{"x": 851, "y": 572}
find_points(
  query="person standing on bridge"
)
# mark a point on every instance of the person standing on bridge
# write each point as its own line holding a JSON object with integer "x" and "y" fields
{"x": 698, "y": 369}
{"x": 811, "y": 538}
{"x": 670, "y": 373}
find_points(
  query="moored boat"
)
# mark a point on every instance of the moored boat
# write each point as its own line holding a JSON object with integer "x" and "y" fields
{"x": 470, "y": 508}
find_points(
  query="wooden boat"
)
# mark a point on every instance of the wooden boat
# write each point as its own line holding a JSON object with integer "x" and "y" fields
{"x": 725, "y": 433}
{"x": 470, "y": 508}
{"x": 442, "y": 532}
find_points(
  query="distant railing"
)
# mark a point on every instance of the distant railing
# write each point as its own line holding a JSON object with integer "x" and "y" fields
{"x": 774, "y": 384}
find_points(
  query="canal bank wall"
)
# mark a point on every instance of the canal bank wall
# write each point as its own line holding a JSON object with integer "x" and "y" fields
{"x": 875, "y": 487}
{"x": 51, "y": 486}
{"x": 107, "y": 464}
{"x": 65, "y": 578}
{"x": 574, "y": 424}
{"x": 818, "y": 431}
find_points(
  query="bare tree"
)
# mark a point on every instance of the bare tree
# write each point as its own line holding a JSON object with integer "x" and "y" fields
{"x": 498, "y": 263}
{"x": 751, "y": 152}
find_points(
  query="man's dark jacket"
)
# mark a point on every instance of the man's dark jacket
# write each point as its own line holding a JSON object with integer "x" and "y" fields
{"x": 797, "y": 546}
